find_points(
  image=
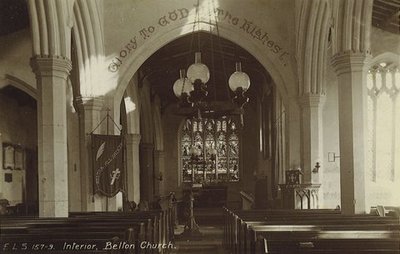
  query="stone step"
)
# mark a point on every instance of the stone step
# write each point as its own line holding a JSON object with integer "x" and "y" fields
{"x": 196, "y": 249}
{"x": 210, "y": 241}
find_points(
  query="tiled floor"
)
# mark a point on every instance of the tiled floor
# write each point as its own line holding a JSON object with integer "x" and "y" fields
{"x": 209, "y": 243}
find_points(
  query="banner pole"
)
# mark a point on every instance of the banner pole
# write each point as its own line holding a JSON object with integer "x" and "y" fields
{"x": 108, "y": 117}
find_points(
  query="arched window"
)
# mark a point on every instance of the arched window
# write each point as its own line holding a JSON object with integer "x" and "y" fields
{"x": 383, "y": 117}
{"x": 210, "y": 150}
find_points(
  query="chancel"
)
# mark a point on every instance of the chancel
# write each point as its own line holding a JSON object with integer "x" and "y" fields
{"x": 200, "y": 126}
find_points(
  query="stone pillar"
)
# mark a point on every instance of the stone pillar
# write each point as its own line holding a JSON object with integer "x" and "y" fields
{"x": 158, "y": 172}
{"x": 1, "y": 163}
{"x": 351, "y": 71}
{"x": 89, "y": 118}
{"x": 51, "y": 75}
{"x": 311, "y": 135}
{"x": 146, "y": 171}
{"x": 133, "y": 167}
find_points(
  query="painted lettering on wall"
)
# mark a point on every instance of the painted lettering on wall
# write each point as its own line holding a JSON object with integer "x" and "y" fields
{"x": 254, "y": 31}
{"x": 143, "y": 34}
{"x": 243, "y": 24}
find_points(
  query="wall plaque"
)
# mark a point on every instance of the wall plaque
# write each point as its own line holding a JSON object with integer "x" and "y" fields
{"x": 8, "y": 156}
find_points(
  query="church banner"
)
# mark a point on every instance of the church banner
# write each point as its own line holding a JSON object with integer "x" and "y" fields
{"x": 108, "y": 164}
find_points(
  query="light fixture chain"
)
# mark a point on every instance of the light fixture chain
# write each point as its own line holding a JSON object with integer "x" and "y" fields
{"x": 220, "y": 48}
{"x": 210, "y": 9}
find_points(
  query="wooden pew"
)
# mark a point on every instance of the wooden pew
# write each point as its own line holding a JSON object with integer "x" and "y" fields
{"x": 53, "y": 242}
{"x": 163, "y": 220}
{"x": 154, "y": 229}
{"x": 324, "y": 240}
{"x": 234, "y": 224}
{"x": 244, "y": 237}
{"x": 232, "y": 219}
{"x": 154, "y": 226}
{"x": 58, "y": 231}
{"x": 242, "y": 234}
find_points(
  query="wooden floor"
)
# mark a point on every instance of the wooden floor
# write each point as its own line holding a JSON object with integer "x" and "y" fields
{"x": 209, "y": 243}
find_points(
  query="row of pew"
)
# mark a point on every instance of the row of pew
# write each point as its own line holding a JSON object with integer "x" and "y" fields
{"x": 309, "y": 231}
{"x": 90, "y": 232}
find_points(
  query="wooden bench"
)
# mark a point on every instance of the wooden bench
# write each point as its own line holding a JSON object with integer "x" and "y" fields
{"x": 245, "y": 237}
{"x": 324, "y": 240}
{"x": 289, "y": 231}
{"x": 93, "y": 228}
{"x": 163, "y": 220}
{"x": 61, "y": 242}
{"x": 60, "y": 231}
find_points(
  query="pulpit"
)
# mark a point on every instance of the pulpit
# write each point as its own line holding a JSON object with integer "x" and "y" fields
{"x": 300, "y": 196}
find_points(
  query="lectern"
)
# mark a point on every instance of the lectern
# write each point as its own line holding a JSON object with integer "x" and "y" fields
{"x": 191, "y": 229}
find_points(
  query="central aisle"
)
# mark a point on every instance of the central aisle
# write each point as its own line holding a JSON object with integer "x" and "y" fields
{"x": 210, "y": 242}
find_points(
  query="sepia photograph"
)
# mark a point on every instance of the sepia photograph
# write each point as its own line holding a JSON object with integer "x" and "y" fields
{"x": 200, "y": 126}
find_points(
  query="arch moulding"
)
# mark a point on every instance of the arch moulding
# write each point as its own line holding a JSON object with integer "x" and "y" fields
{"x": 20, "y": 84}
{"x": 283, "y": 76}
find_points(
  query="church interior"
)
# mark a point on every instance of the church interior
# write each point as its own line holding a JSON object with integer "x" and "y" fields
{"x": 200, "y": 126}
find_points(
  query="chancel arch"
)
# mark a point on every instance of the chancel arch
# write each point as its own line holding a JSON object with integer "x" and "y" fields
{"x": 282, "y": 72}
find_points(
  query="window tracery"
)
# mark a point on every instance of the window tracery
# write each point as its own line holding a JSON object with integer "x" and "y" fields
{"x": 210, "y": 150}
{"x": 383, "y": 122}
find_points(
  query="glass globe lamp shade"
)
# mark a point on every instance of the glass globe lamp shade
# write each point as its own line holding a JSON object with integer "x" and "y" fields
{"x": 198, "y": 70}
{"x": 182, "y": 85}
{"x": 239, "y": 79}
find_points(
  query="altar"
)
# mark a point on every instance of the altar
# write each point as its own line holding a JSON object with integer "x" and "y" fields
{"x": 208, "y": 196}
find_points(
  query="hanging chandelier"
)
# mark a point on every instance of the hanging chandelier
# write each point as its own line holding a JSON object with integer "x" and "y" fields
{"x": 192, "y": 87}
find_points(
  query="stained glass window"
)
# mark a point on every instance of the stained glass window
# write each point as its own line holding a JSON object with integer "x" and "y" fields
{"x": 383, "y": 123}
{"x": 210, "y": 150}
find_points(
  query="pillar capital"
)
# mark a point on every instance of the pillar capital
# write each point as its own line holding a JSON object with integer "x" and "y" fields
{"x": 311, "y": 100}
{"x": 348, "y": 61}
{"x": 133, "y": 139}
{"x": 90, "y": 103}
{"x": 51, "y": 66}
